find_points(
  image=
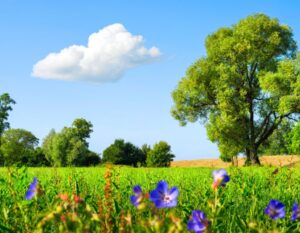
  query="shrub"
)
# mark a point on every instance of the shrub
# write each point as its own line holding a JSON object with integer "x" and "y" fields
{"x": 160, "y": 155}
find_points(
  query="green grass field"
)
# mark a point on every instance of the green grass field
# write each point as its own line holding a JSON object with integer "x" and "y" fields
{"x": 106, "y": 206}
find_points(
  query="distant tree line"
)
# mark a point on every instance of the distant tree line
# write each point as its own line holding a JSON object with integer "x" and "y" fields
{"x": 69, "y": 147}
{"x": 121, "y": 152}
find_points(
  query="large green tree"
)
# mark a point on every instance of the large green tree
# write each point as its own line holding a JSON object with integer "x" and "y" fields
{"x": 245, "y": 86}
{"x": 18, "y": 146}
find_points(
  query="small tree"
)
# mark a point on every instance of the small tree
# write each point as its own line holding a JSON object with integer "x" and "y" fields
{"x": 121, "y": 152}
{"x": 90, "y": 159}
{"x": 160, "y": 155}
{"x": 5, "y": 106}
{"x": 18, "y": 146}
{"x": 69, "y": 147}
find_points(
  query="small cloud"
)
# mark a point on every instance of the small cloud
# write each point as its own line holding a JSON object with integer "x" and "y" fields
{"x": 108, "y": 54}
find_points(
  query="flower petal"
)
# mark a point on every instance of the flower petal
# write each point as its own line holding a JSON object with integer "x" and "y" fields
{"x": 159, "y": 203}
{"x": 137, "y": 189}
{"x": 162, "y": 186}
{"x": 171, "y": 204}
{"x": 295, "y": 206}
{"x": 30, "y": 194}
{"x": 226, "y": 178}
{"x": 281, "y": 214}
{"x": 267, "y": 210}
{"x": 195, "y": 226}
{"x": 133, "y": 200}
{"x": 155, "y": 195}
{"x": 173, "y": 193}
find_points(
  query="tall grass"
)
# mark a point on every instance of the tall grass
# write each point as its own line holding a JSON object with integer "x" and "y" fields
{"x": 98, "y": 199}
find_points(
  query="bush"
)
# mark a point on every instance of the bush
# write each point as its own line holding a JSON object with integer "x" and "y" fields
{"x": 160, "y": 155}
{"x": 121, "y": 152}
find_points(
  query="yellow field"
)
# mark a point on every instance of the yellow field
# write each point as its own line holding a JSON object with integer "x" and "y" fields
{"x": 278, "y": 160}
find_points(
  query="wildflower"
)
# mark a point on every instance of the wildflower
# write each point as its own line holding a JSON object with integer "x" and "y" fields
{"x": 137, "y": 199}
{"x": 198, "y": 222}
{"x": 162, "y": 197}
{"x": 275, "y": 209}
{"x": 63, "y": 196}
{"x": 220, "y": 178}
{"x": 63, "y": 218}
{"x": 77, "y": 199}
{"x": 32, "y": 189}
{"x": 295, "y": 212}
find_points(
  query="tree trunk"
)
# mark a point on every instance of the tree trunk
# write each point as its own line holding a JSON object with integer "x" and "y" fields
{"x": 248, "y": 160}
{"x": 252, "y": 157}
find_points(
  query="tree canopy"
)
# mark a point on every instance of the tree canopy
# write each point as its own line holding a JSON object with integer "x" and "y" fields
{"x": 18, "y": 146}
{"x": 245, "y": 86}
{"x": 69, "y": 147}
{"x": 160, "y": 155}
{"x": 293, "y": 139}
{"x": 121, "y": 152}
{"x": 277, "y": 143}
{"x": 5, "y": 107}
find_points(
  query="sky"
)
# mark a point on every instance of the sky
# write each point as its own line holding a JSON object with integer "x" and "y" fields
{"x": 114, "y": 63}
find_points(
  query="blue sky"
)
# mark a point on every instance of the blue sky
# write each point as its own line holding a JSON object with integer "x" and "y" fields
{"x": 136, "y": 107}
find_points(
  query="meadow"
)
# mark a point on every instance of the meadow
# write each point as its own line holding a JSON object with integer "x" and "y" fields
{"x": 98, "y": 199}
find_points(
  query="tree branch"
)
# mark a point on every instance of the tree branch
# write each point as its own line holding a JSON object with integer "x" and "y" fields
{"x": 252, "y": 71}
{"x": 264, "y": 125}
{"x": 291, "y": 118}
{"x": 268, "y": 132}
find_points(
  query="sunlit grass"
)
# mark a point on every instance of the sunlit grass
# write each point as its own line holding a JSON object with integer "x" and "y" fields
{"x": 241, "y": 202}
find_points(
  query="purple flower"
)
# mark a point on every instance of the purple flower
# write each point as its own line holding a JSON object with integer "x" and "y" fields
{"x": 220, "y": 178}
{"x": 137, "y": 199}
{"x": 198, "y": 222}
{"x": 275, "y": 210}
{"x": 162, "y": 197}
{"x": 32, "y": 189}
{"x": 295, "y": 212}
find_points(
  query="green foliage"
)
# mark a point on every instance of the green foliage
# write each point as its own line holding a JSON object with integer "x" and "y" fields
{"x": 244, "y": 88}
{"x": 48, "y": 146}
{"x": 69, "y": 147}
{"x": 90, "y": 159}
{"x": 121, "y": 152}
{"x": 38, "y": 159}
{"x": 294, "y": 140}
{"x": 160, "y": 155}
{"x": 277, "y": 143}
{"x": 5, "y": 106}
{"x": 82, "y": 129}
{"x": 18, "y": 146}
{"x": 241, "y": 203}
{"x": 146, "y": 149}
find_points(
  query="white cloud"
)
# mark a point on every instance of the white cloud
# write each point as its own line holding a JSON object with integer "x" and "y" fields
{"x": 109, "y": 53}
